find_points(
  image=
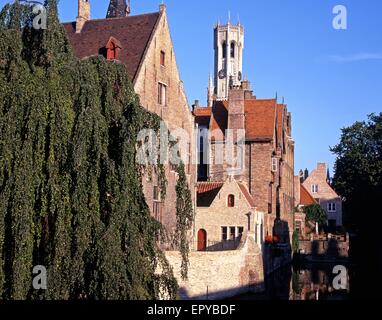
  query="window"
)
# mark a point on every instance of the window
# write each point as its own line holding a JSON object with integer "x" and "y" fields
{"x": 233, "y": 50}
{"x": 162, "y": 58}
{"x": 240, "y": 232}
{"x": 231, "y": 201}
{"x": 162, "y": 90}
{"x": 332, "y": 207}
{"x": 224, "y": 233}
{"x": 156, "y": 193}
{"x": 224, "y": 47}
{"x": 314, "y": 188}
{"x": 274, "y": 164}
{"x": 270, "y": 196}
{"x": 232, "y": 233}
{"x": 157, "y": 210}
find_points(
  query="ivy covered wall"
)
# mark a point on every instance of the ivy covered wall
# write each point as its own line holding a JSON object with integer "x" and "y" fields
{"x": 70, "y": 190}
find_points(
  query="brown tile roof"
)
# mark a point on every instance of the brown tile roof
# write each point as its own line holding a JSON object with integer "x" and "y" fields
{"x": 133, "y": 32}
{"x": 207, "y": 192}
{"x": 305, "y": 197}
{"x": 202, "y": 116}
{"x": 246, "y": 194}
{"x": 260, "y": 119}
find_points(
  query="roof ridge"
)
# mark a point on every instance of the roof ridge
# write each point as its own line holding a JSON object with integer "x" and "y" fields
{"x": 117, "y": 18}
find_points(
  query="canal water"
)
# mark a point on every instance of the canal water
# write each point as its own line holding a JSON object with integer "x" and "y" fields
{"x": 305, "y": 282}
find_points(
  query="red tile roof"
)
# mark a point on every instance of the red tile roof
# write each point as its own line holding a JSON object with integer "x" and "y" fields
{"x": 260, "y": 119}
{"x": 133, "y": 32}
{"x": 207, "y": 192}
{"x": 305, "y": 197}
{"x": 202, "y": 112}
{"x": 203, "y": 187}
{"x": 247, "y": 195}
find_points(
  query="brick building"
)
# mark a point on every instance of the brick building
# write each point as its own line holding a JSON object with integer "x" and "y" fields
{"x": 260, "y": 131}
{"x": 225, "y": 214}
{"x": 143, "y": 44}
{"x": 318, "y": 187}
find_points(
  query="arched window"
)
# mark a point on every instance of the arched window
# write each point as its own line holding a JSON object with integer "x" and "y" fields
{"x": 232, "y": 49}
{"x": 231, "y": 201}
{"x": 224, "y": 47}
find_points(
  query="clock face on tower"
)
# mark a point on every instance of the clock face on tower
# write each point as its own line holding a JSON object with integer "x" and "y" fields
{"x": 222, "y": 74}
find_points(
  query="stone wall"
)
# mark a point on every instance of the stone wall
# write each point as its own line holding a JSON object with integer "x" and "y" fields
{"x": 220, "y": 275}
{"x": 325, "y": 249}
{"x": 175, "y": 112}
{"x": 219, "y": 215}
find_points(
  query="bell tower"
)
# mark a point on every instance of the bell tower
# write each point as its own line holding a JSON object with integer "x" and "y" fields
{"x": 118, "y": 9}
{"x": 229, "y": 45}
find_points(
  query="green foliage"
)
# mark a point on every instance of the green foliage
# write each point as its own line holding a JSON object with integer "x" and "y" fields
{"x": 295, "y": 241}
{"x": 70, "y": 190}
{"x": 358, "y": 167}
{"x": 184, "y": 214}
{"x": 316, "y": 214}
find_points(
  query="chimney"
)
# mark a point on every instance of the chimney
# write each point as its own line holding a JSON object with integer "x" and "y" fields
{"x": 83, "y": 14}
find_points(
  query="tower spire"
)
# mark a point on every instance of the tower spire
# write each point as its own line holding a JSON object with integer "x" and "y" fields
{"x": 118, "y": 9}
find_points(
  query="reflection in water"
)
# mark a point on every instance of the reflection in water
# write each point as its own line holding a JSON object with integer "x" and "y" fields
{"x": 317, "y": 283}
{"x": 309, "y": 282}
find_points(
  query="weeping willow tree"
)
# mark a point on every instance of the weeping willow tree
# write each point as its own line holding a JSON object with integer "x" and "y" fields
{"x": 70, "y": 191}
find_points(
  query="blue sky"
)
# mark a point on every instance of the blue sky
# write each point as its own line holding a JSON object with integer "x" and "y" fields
{"x": 329, "y": 78}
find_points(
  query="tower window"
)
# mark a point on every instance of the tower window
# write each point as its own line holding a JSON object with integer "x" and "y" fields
{"x": 233, "y": 50}
{"x": 224, "y": 47}
{"x": 162, "y": 58}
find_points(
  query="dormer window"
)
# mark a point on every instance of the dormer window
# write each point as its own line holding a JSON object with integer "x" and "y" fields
{"x": 113, "y": 48}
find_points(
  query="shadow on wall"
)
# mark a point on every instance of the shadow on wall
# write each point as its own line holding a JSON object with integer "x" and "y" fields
{"x": 277, "y": 253}
{"x": 224, "y": 294}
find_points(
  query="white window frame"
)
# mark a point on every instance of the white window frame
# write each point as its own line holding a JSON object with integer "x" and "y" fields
{"x": 275, "y": 164}
{"x": 332, "y": 207}
{"x": 314, "y": 188}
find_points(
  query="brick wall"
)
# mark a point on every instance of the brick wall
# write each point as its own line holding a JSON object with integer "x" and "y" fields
{"x": 220, "y": 275}
{"x": 175, "y": 112}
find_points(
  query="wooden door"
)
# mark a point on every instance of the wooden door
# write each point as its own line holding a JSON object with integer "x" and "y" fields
{"x": 202, "y": 240}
